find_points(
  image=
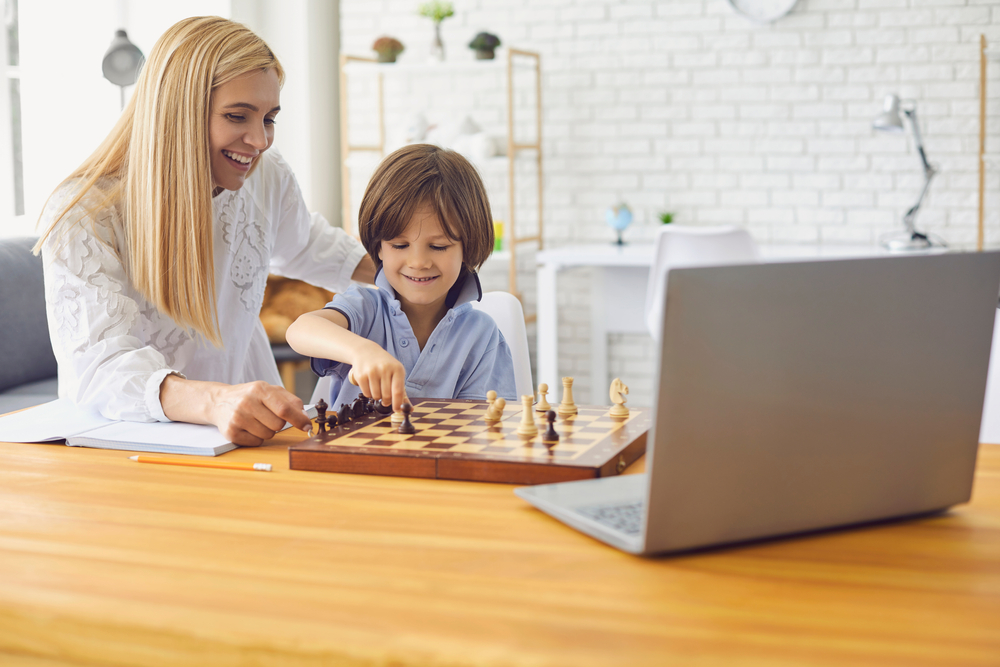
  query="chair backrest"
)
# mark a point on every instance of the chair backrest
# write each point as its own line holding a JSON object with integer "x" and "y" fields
{"x": 25, "y": 350}
{"x": 506, "y": 311}
{"x": 678, "y": 245}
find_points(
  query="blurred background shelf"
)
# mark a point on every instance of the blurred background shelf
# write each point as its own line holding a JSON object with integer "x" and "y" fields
{"x": 364, "y": 156}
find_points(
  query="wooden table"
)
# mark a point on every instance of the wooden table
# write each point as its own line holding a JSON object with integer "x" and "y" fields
{"x": 104, "y": 561}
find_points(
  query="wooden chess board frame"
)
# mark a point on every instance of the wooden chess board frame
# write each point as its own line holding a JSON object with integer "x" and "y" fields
{"x": 453, "y": 441}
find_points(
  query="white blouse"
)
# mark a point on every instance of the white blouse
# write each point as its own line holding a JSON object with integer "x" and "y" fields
{"x": 114, "y": 348}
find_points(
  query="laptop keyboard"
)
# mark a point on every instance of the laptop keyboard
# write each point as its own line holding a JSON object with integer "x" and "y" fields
{"x": 625, "y": 518}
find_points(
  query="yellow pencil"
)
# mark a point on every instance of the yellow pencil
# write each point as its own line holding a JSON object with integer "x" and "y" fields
{"x": 266, "y": 467}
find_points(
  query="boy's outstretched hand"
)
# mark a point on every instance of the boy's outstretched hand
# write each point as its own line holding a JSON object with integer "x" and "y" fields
{"x": 380, "y": 376}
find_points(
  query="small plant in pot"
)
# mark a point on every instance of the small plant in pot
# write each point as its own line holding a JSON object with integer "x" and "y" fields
{"x": 484, "y": 44}
{"x": 387, "y": 49}
{"x": 437, "y": 11}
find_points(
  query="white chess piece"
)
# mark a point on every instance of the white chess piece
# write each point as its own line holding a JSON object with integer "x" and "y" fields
{"x": 495, "y": 412}
{"x": 543, "y": 404}
{"x": 567, "y": 407}
{"x": 527, "y": 425}
{"x": 618, "y": 392}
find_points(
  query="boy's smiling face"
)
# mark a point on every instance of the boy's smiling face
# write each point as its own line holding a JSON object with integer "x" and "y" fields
{"x": 422, "y": 263}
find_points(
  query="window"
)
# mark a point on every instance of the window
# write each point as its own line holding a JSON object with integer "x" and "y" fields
{"x": 13, "y": 170}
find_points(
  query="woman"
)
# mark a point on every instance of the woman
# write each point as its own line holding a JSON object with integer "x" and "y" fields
{"x": 157, "y": 248}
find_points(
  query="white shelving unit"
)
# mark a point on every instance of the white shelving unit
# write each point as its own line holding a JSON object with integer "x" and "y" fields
{"x": 515, "y": 59}
{"x": 986, "y": 160}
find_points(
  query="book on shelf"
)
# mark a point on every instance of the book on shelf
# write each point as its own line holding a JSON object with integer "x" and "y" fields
{"x": 79, "y": 427}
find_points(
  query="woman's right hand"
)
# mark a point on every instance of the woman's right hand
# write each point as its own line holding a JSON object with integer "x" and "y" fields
{"x": 380, "y": 376}
{"x": 246, "y": 414}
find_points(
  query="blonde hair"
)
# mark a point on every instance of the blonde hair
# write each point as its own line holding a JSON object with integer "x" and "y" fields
{"x": 441, "y": 178}
{"x": 158, "y": 160}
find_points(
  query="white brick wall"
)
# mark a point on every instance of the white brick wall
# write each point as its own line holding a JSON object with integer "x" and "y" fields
{"x": 682, "y": 105}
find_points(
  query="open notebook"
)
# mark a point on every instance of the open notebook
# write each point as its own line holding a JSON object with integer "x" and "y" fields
{"x": 62, "y": 420}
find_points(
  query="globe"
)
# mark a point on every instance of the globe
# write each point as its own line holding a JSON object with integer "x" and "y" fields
{"x": 618, "y": 218}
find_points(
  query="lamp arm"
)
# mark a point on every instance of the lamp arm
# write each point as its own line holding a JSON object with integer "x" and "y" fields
{"x": 915, "y": 128}
{"x": 911, "y": 215}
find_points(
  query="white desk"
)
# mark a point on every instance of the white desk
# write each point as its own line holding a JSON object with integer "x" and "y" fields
{"x": 618, "y": 297}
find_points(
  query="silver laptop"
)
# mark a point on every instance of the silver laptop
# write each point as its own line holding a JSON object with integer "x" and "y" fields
{"x": 799, "y": 396}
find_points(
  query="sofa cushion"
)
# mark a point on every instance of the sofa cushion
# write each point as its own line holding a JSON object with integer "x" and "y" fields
{"x": 28, "y": 395}
{"x": 25, "y": 351}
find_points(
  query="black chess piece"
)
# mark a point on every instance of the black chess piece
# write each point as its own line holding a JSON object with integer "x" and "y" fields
{"x": 331, "y": 419}
{"x": 345, "y": 413}
{"x": 321, "y": 407}
{"x": 358, "y": 408}
{"x": 383, "y": 409}
{"x": 370, "y": 406}
{"x": 406, "y": 427}
{"x": 550, "y": 437}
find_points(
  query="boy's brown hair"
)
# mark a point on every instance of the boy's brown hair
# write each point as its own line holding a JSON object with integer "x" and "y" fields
{"x": 442, "y": 178}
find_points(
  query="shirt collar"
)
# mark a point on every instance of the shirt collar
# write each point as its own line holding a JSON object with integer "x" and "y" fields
{"x": 471, "y": 290}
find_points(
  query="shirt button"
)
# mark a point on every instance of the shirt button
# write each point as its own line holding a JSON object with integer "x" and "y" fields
{"x": 404, "y": 343}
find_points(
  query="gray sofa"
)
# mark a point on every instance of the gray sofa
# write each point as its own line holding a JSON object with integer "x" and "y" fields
{"x": 27, "y": 366}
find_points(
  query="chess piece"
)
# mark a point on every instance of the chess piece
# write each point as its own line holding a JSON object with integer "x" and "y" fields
{"x": 382, "y": 409}
{"x": 331, "y": 419}
{"x": 527, "y": 426}
{"x": 358, "y": 408}
{"x": 543, "y": 404}
{"x": 397, "y": 418}
{"x": 567, "y": 407}
{"x": 321, "y": 407}
{"x": 491, "y": 397}
{"x": 345, "y": 415}
{"x": 406, "y": 427}
{"x": 618, "y": 391}
{"x": 550, "y": 437}
{"x": 495, "y": 412}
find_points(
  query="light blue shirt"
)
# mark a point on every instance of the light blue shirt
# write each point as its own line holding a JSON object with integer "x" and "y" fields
{"x": 464, "y": 357}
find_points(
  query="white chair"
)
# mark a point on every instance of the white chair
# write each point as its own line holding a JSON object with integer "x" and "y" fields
{"x": 678, "y": 246}
{"x": 506, "y": 311}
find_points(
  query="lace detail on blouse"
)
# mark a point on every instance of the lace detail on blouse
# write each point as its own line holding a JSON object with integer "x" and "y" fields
{"x": 246, "y": 237}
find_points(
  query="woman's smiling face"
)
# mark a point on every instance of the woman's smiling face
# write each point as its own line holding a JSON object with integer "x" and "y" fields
{"x": 241, "y": 126}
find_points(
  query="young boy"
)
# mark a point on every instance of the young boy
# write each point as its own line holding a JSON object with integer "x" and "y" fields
{"x": 425, "y": 220}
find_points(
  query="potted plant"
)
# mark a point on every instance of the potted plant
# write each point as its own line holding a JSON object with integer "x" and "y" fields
{"x": 484, "y": 45}
{"x": 437, "y": 11}
{"x": 387, "y": 49}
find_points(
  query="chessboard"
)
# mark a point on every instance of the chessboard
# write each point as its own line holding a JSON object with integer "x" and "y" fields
{"x": 452, "y": 440}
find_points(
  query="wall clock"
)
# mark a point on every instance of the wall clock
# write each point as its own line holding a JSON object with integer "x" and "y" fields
{"x": 762, "y": 11}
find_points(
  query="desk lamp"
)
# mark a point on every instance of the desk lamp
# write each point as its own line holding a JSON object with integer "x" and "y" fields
{"x": 890, "y": 121}
{"x": 122, "y": 62}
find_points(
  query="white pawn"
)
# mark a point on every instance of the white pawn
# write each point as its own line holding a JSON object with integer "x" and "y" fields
{"x": 567, "y": 407}
{"x": 527, "y": 425}
{"x": 495, "y": 412}
{"x": 491, "y": 397}
{"x": 542, "y": 405}
{"x": 397, "y": 417}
